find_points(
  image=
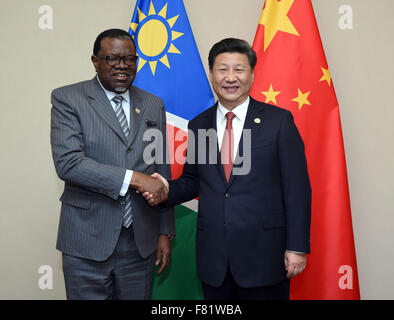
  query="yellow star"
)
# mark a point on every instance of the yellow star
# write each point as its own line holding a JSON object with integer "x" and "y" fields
{"x": 302, "y": 99}
{"x": 270, "y": 95}
{"x": 326, "y": 76}
{"x": 274, "y": 18}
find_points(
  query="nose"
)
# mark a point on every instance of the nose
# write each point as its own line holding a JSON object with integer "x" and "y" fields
{"x": 231, "y": 76}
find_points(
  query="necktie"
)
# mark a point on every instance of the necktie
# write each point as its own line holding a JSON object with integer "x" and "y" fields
{"x": 127, "y": 214}
{"x": 227, "y": 150}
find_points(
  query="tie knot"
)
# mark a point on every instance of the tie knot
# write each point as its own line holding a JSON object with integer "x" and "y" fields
{"x": 230, "y": 116}
{"x": 117, "y": 99}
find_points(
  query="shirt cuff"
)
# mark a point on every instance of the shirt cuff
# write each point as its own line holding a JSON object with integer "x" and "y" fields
{"x": 126, "y": 182}
{"x": 295, "y": 251}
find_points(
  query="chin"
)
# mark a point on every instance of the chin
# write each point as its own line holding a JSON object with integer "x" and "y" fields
{"x": 120, "y": 89}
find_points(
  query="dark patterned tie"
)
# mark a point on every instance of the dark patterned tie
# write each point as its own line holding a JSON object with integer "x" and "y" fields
{"x": 227, "y": 150}
{"x": 127, "y": 216}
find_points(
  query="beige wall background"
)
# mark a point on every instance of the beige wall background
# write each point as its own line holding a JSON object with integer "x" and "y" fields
{"x": 35, "y": 61}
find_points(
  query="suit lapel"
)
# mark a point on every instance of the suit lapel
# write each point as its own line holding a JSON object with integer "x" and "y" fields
{"x": 212, "y": 124}
{"x": 137, "y": 110}
{"x": 253, "y": 122}
{"x": 101, "y": 104}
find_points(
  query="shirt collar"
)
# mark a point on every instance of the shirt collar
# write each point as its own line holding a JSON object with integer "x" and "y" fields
{"x": 239, "y": 111}
{"x": 110, "y": 94}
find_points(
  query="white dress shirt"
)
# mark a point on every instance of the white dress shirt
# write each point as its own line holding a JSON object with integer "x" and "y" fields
{"x": 126, "y": 109}
{"x": 238, "y": 123}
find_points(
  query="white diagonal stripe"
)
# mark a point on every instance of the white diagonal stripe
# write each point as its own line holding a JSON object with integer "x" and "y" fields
{"x": 119, "y": 113}
{"x": 176, "y": 121}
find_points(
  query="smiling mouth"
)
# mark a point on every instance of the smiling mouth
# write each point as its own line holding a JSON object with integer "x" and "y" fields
{"x": 121, "y": 76}
{"x": 231, "y": 89}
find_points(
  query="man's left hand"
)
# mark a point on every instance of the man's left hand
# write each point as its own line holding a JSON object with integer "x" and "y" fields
{"x": 295, "y": 263}
{"x": 163, "y": 252}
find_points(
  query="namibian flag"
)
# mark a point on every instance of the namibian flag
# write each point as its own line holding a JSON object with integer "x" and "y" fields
{"x": 170, "y": 67}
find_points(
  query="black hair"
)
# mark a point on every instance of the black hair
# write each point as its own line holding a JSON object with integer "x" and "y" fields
{"x": 110, "y": 33}
{"x": 232, "y": 45}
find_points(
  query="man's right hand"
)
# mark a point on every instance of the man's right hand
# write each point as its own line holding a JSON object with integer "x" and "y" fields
{"x": 150, "y": 197}
{"x": 145, "y": 184}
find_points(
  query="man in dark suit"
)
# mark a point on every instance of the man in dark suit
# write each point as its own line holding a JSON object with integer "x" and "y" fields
{"x": 253, "y": 223}
{"x": 110, "y": 238}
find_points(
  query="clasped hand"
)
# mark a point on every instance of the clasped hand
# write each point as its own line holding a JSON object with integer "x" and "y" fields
{"x": 153, "y": 188}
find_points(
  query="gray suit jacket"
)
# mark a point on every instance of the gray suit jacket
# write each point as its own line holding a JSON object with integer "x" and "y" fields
{"x": 91, "y": 154}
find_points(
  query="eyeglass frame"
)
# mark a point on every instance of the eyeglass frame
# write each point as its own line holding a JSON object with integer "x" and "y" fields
{"x": 119, "y": 59}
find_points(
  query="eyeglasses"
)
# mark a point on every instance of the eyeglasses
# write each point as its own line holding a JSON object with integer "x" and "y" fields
{"x": 114, "y": 60}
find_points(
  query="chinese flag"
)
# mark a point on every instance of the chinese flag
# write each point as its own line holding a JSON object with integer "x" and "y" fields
{"x": 292, "y": 73}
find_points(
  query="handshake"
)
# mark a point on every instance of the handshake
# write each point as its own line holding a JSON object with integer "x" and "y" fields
{"x": 153, "y": 188}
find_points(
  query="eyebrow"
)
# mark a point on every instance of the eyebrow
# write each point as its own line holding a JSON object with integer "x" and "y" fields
{"x": 229, "y": 65}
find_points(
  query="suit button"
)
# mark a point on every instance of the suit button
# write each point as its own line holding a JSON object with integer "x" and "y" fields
{"x": 128, "y": 150}
{"x": 227, "y": 195}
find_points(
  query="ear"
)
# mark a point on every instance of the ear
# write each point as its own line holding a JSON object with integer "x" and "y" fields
{"x": 95, "y": 62}
{"x": 210, "y": 75}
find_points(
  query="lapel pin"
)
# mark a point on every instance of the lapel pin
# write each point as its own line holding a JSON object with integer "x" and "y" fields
{"x": 137, "y": 110}
{"x": 257, "y": 120}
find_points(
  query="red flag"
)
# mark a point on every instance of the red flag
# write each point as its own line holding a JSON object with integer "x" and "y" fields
{"x": 292, "y": 73}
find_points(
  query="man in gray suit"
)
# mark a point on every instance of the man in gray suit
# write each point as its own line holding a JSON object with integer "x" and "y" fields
{"x": 110, "y": 238}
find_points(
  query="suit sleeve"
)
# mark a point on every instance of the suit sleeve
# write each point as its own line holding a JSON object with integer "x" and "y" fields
{"x": 71, "y": 163}
{"x": 296, "y": 186}
{"x": 167, "y": 214}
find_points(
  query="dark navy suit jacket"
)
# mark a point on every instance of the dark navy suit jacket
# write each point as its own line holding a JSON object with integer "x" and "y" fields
{"x": 250, "y": 221}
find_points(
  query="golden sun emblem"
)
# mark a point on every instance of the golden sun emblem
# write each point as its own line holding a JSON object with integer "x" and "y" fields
{"x": 154, "y": 37}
